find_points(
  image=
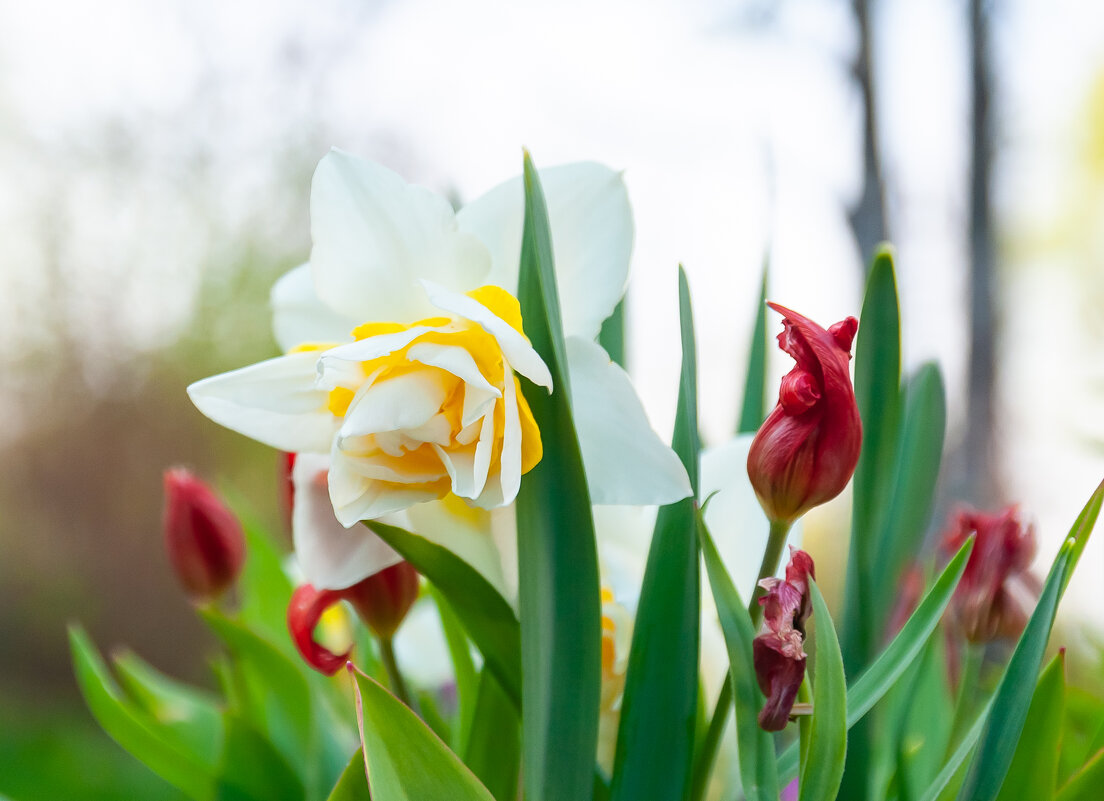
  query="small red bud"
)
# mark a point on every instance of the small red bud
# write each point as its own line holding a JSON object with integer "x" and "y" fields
{"x": 203, "y": 538}
{"x": 382, "y": 601}
{"x": 806, "y": 451}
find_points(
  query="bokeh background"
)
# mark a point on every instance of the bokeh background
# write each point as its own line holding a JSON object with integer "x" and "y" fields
{"x": 155, "y": 163}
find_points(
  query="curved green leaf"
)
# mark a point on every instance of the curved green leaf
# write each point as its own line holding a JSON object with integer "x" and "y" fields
{"x": 661, "y": 685}
{"x": 485, "y": 614}
{"x": 1034, "y": 769}
{"x": 876, "y": 681}
{"x": 557, "y": 554}
{"x": 755, "y": 747}
{"x": 130, "y": 727}
{"x": 493, "y": 748}
{"x": 252, "y": 769}
{"x": 1086, "y": 783}
{"x": 823, "y": 771}
{"x": 404, "y": 759}
{"x": 753, "y": 411}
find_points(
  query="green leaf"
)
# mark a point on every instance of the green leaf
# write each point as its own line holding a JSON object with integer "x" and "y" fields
{"x": 130, "y": 727}
{"x": 755, "y": 747}
{"x": 661, "y": 684}
{"x": 276, "y": 697}
{"x": 188, "y": 716}
{"x": 404, "y": 759}
{"x": 923, "y": 723}
{"x": 353, "y": 784}
{"x": 876, "y": 681}
{"x": 488, "y": 619}
{"x": 252, "y": 770}
{"x": 557, "y": 555}
{"x": 493, "y": 750}
{"x": 612, "y": 334}
{"x": 1086, "y": 783}
{"x": 919, "y": 452}
{"x": 265, "y": 588}
{"x": 463, "y": 667}
{"x": 877, "y": 392}
{"x": 1082, "y": 529}
{"x": 956, "y": 764}
{"x": 1034, "y": 769}
{"x": 823, "y": 771}
{"x": 754, "y": 409}
{"x": 1013, "y": 695}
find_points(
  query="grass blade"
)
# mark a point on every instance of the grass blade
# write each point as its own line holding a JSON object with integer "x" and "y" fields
{"x": 823, "y": 771}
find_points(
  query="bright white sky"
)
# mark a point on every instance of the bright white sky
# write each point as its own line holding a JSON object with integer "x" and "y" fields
{"x": 736, "y": 124}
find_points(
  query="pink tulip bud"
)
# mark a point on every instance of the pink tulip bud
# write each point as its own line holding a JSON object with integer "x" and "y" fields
{"x": 382, "y": 601}
{"x": 202, "y": 536}
{"x": 778, "y": 651}
{"x": 806, "y": 450}
{"x": 996, "y": 594}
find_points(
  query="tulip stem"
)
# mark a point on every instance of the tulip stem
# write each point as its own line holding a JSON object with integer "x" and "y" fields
{"x": 394, "y": 676}
{"x": 707, "y": 753}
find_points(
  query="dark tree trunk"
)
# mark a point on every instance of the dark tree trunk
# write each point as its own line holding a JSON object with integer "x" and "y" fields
{"x": 868, "y": 218}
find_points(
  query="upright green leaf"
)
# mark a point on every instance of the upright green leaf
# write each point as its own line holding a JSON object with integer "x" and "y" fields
{"x": 661, "y": 685}
{"x": 887, "y": 669}
{"x": 919, "y": 453}
{"x": 265, "y": 588}
{"x": 1013, "y": 697}
{"x": 487, "y": 617}
{"x": 1086, "y": 783}
{"x": 557, "y": 554}
{"x": 130, "y": 727}
{"x": 823, "y": 771}
{"x": 1034, "y": 769}
{"x": 951, "y": 772}
{"x": 353, "y": 784}
{"x": 493, "y": 748}
{"x": 877, "y": 392}
{"x": 755, "y": 747}
{"x": 404, "y": 759}
{"x": 463, "y": 667}
{"x": 754, "y": 409}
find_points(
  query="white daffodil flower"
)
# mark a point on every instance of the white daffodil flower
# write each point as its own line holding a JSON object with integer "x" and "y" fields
{"x": 402, "y": 338}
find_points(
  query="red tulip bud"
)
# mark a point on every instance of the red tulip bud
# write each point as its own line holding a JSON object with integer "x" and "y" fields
{"x": 202, "y": 536}
{"x": 996, "y": 594}
{"x": 806, "y": 451}
{"x": 382, "y": 601}
{"x": 778, "y": 651}
{"x": 287, "y": 486}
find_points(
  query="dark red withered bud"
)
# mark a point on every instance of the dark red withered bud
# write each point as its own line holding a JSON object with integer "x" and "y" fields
{"x": 203, "y": 538}
{"x": 996, "y": 594}
{"x": 381, "y": 600}
{"x": 806, "y": 451}
{"x": 778, "y": 651}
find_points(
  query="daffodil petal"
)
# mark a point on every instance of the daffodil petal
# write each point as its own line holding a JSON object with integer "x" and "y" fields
{"x": 299, "y": 316}
{"x": 364, "y": 350}
{"x": 331, "y": 556}
{"x": 515, "y": 347}
{"x": 453, "y": 359}
{"x": 626, "y": 462}
{"x": 734, "y": 516}
{"x": 375, "y": 235}
{"x": 274, "y": 402}
{"x": 406, "y": 401}
{"x": 592, "y": 236}
{"x": 357, "y": 497}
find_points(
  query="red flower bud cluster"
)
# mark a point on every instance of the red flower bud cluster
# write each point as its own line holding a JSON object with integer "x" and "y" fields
{"x": 778, "y": 651}
{"x": 382, "y": 601}
{"x": 996, "y": 594}
{"x": 203, "y": 538}
{"x": 806, "y": 450}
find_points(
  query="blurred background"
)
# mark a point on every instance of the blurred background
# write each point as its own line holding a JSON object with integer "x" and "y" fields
{"x": 155, "y": 164}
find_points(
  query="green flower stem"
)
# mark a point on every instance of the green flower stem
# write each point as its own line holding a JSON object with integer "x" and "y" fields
{"x": 394, "y": 676}
{"x": 707, "y": 753}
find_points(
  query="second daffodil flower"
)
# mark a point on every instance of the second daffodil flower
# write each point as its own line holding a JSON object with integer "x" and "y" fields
{"x": 403, "y": 341}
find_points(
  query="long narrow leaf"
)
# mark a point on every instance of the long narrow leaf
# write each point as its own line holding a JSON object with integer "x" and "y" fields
{"x": 1086, "y": 783}
{"x": 660, "y": 698}
{"x": 1034, "y": 769}
{"x": 493, "y": 746}
{"x": 557, "y": 553}
{"x": 823, "y": 771}
{"x": 755, "y": 747}
{"x": 129, "y": 727}
{"x": 353, "y": 784}
{"x": 753, "y": 411}
{"x": 487, "y": 617}
{"x": 957, "y": 761}
{"x": 883, "y": 674}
